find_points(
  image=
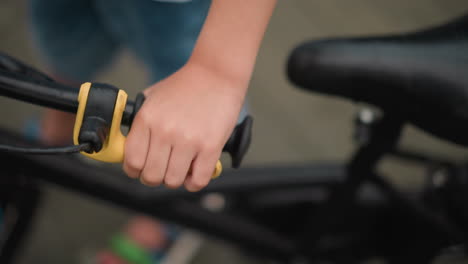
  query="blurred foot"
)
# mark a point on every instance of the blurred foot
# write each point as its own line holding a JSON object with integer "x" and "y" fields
{"x": 56, "y": 128}
{"x": 143, "y": 241}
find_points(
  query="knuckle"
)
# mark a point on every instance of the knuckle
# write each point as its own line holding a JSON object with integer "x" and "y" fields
{"x": 203, "y": 143}
{"x": 187, "y": 138}
{"x": 133, "y": 163}
{"x": 195, "y": 142}
{"x": 165, "y": 132}
{"x": 210, "y": 147}
{"x": 130, "y": 173}
{"x": 150, "y": 181}
{"x": 172, "y": 182}
{"x": 143, "y": 117}
{"x": 196, "y": 184}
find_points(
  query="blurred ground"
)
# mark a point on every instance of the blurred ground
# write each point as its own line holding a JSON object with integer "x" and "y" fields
{"x": 290, "y": 125}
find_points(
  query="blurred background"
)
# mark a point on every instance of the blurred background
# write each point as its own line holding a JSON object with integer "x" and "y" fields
{"x": 290, "y": 125}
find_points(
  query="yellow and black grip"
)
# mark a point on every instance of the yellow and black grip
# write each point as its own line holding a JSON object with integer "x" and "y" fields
{"x": 101, "y": 109}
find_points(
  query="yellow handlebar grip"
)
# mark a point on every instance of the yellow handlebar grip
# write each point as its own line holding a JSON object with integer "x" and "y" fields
{"x": 113, "y": 148}
{"x": 218, "y": 170}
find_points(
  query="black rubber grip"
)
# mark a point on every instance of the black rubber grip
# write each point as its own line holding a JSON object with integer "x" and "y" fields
{"x": 140, "y": 98}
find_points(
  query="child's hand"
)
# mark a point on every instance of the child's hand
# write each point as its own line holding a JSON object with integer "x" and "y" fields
{"x": 183, "y": 124}
{"x": 187, "y": 118}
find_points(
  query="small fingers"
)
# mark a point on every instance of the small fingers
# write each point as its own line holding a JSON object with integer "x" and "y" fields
{"x": 179, "y": 165}
{"x": 202, "y": 170}
{"x": 156, "y": 162}
{"x": 136, "y": 148}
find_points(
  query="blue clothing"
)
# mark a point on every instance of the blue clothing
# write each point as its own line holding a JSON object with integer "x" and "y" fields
{"x": 79, "y": 38}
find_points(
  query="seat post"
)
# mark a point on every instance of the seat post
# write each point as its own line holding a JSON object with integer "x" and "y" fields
{"x": 382, "y": 139}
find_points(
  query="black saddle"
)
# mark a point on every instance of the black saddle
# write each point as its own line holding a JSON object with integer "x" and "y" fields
{"x": 422, "y": 75}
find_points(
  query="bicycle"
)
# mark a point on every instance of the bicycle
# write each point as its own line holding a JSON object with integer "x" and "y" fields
{"x": 343, "y": 213}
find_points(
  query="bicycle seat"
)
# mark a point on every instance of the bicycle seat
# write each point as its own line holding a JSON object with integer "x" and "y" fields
{"x": 421, "y": 75}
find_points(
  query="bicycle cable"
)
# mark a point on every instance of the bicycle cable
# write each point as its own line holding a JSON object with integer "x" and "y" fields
{"x": 47, "y": 151}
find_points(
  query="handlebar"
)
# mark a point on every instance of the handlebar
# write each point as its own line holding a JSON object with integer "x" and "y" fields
{"x": 22, "y": 82}
{"x": 48, "y": 94}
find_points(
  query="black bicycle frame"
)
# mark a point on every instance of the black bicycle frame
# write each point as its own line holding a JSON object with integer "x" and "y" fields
{"x": 185, "y": 208}
{"x": 178, "y": 206}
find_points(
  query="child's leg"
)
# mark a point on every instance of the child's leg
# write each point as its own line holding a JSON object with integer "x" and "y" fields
{"x": 56, "y": 127}
{"x": 74, "y": 45}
